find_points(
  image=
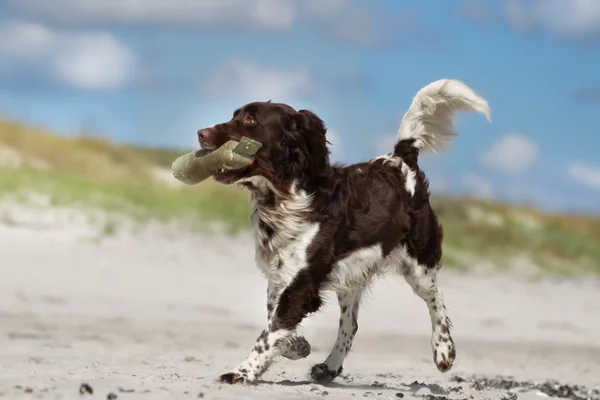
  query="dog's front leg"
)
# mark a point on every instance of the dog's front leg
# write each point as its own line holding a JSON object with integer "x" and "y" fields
{"x": 290, "y": 307}
{"x": 297, "y": 347}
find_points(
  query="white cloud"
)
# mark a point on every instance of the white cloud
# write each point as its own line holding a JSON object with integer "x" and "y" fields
{"x": 268, "y": 14}
{"x": 513, "y": 154}
{"x": 91, "y": 61}
{"x": 478, "y": 186}
{"x": 340, "y": 18}
{"x": 245, "y": 81}
{"x": 343, "y": 25}
{"x": 384, "y": 144}
{"x": 587, "y": 174}
{"x": 576, "y": 19}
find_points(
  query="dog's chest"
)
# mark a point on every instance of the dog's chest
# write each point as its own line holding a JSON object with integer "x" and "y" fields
{"x": 281, "y": 245}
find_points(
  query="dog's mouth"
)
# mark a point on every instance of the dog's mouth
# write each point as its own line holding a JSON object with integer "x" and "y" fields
{"x": 207, "y": 149}
{"x": 223, "y": 175}
{"x": 246, "y": 147}
{"x": 230, "y": 176}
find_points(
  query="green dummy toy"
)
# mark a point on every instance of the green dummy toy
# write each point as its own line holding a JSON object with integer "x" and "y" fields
{"x": 199, "y": 165}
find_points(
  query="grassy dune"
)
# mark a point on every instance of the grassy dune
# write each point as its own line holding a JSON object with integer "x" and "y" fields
{"x": 96, "y": 173}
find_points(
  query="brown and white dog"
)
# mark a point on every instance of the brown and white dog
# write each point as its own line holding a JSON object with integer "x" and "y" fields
{"x": 321, "y": 227}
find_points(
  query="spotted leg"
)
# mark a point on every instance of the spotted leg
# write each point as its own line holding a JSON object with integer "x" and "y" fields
{"x": 327, "y": 371}
{"x": 297, "y": 346}
{"x": 424, "y": 283}
{"x": 296, "y": 301}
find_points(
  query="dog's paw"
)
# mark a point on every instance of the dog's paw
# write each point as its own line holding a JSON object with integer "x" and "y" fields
{"x": 323, "y": 375}
{"x": 297, "y": 348}
{"x": 234, "y": 378}
{"x": 444, "y": 356}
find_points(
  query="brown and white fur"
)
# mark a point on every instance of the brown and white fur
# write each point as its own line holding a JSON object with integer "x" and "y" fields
{"x": 321, "y": 227}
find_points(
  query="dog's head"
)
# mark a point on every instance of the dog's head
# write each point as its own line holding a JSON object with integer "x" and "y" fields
{"x": 293, "y": 144}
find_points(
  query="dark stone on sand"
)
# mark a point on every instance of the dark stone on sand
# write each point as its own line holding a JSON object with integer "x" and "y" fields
{"x": 85, "y": 389}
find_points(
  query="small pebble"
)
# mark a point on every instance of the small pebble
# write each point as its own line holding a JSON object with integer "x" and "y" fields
{"x": 85, "y": 389}
{"x": 111, "y": 396}
{"x": 400, "y": 395}
{"x": 201, "y": 395}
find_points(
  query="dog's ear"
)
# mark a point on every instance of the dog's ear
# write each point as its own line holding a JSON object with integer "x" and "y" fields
{"x": 304, "y": 145}
{"x": 303, "y": 122}
{"x": 308, "y": 121}
{"x": 313, "y": 131}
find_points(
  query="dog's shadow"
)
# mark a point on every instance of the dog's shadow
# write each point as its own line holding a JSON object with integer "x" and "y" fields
{"x": 412, "y": 388}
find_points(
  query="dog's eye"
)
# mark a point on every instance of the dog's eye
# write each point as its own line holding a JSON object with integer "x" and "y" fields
{"x": 248, "y": 120}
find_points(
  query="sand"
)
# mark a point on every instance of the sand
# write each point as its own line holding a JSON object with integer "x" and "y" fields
{"x": 161, "y": 313}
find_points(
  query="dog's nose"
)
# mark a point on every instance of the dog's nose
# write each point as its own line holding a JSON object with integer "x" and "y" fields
{"x": 203, "y": 133}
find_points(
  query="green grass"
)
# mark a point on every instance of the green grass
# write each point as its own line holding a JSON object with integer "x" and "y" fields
{"x": 138, "y": 200}
{"x": 95, "y": 173}
{"x": 562, "y": 244}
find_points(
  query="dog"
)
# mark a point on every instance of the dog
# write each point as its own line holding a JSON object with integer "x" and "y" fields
{"x": 323, "y": 227}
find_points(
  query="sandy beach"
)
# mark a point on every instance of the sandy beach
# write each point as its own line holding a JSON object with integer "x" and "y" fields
{"x": 161, "y": 313}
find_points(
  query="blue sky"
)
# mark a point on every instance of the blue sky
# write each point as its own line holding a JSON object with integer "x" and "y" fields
{"x": 154, "y": 73}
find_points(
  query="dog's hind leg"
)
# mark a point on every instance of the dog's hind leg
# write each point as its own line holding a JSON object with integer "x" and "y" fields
{"x": 348, "y": 325}
{"x": 423, "y": 282}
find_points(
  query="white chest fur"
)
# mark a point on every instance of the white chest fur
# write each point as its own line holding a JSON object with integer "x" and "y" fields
{"x": 282, "y": 252}
{"x": 282, "y": 235}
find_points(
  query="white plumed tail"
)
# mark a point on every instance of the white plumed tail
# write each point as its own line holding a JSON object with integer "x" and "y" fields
{"x": 429, "y": 119}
